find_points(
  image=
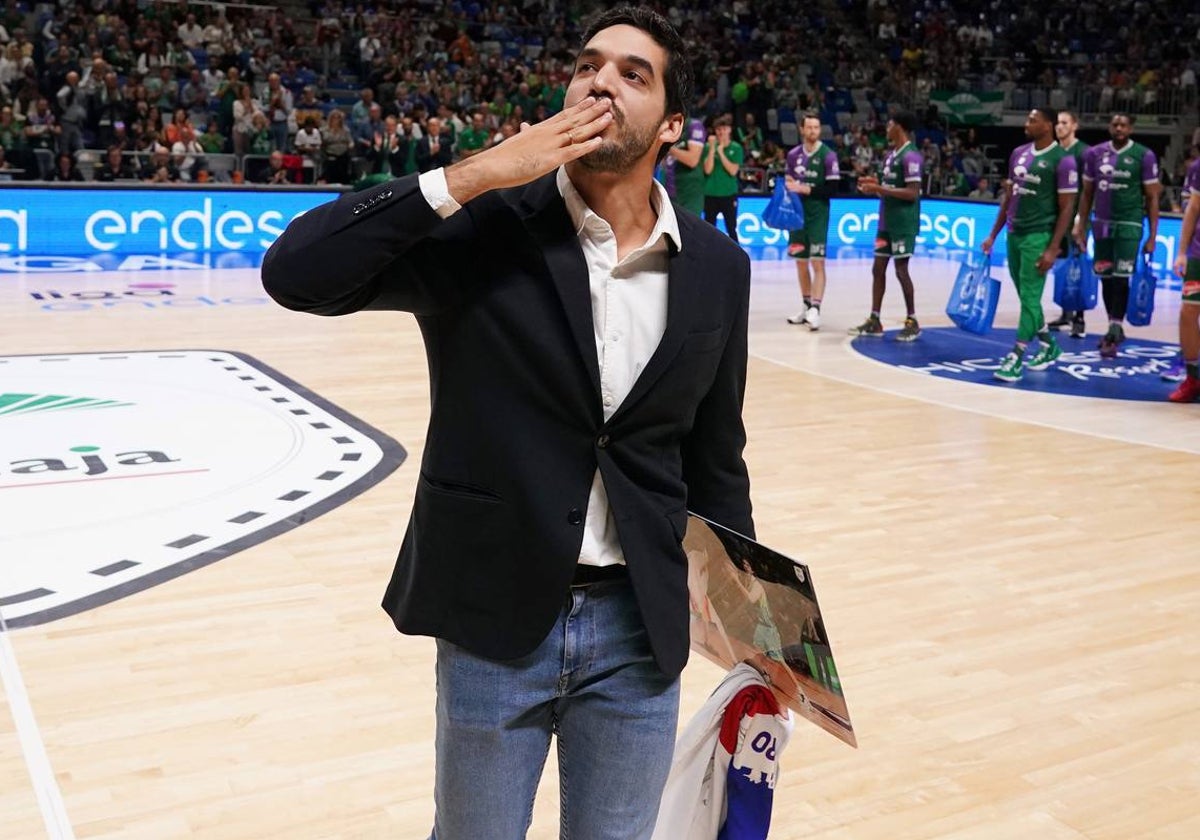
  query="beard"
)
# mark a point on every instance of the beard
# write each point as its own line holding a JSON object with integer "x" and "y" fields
{"x": 619, "y": 156}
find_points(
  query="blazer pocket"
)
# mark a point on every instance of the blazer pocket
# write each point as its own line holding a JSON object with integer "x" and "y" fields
{"x": 704, "y": 340}
{"x": 459, "y": 489}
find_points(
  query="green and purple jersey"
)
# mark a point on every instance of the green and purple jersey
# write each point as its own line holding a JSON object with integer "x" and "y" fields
{"x": 901, "y": 168}
{"x": 1038, "y": 177}
{"x": 816, "y": 170}
{"x": 1119, "y": 176}
{"x": 1191, "y": 192}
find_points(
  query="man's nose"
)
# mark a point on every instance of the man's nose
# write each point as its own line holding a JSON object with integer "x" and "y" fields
{"x": 604, "y": 82}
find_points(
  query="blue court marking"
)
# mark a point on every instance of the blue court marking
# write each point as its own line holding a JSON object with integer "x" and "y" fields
{"x": 950, "y": 353}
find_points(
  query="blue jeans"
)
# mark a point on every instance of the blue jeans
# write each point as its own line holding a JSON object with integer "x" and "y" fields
{"x": 594, "y": 684}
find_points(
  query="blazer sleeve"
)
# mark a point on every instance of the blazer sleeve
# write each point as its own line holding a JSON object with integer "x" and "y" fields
{"x": 384, "y": 248}
{"x": 718, "y": 483}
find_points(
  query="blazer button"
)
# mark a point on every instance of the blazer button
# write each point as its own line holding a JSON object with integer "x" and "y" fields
{"x": 602, "y": 441}
{"x": 575, "y": 516}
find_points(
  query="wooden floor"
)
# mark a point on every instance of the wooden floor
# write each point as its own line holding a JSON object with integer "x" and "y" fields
{"x": 1011, "y": 582}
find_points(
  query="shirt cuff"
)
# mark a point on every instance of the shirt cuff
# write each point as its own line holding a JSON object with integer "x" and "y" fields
{"x": 433, "y": 187}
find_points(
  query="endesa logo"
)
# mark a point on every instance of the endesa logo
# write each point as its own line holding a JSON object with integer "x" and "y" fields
{"x": 852, "y": 221}
{"x": 71, "y": 222}
{"x": 187, "y": 230}
{"x": 940, "y": 229}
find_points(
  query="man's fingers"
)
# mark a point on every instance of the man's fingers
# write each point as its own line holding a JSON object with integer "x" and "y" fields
{"x": 576, "y": 120}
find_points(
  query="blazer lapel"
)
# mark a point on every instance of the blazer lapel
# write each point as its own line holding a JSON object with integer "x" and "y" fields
{"x": 546, "y": 218}
{"x": 683, "y": 275}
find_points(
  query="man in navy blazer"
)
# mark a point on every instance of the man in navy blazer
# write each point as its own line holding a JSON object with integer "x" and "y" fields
{"x": 434, "y": 149}
{"x": 587, "y": 361}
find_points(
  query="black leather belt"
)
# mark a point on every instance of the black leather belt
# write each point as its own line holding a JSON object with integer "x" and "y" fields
{"x": 586, "y": 575}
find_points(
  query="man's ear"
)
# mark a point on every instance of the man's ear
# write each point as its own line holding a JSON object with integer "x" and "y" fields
{"x": 672, "y": 129}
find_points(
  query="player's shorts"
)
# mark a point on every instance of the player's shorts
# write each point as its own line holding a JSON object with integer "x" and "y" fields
{"x": 808, "y": 243}
{"x": 1191, "y": 281}
{"x": 894, "y": 245}
{"x": 1115, "y": 257}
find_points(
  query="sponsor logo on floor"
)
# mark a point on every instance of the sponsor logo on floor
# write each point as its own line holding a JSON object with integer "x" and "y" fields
{"x": 119, "y": 471}
{"x": 139, "y": 296}
{"x": 950, "y": 353}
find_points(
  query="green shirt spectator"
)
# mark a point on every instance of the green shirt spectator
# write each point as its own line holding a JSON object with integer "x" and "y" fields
{"x": 720, "y": 183}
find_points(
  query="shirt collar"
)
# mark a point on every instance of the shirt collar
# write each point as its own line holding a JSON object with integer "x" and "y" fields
{"x": 667, "y": 224}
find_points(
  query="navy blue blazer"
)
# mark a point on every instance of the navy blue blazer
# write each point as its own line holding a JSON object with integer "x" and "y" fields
{"x": 516, "y": 430}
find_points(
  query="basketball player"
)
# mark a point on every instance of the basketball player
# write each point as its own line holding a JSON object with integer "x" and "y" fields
{"x": 1037, "y": 205}
{"x": 1065, "y": 129}
{"x": 689, "y": 174}
{"x": 1187, "y": 265}
{"x": 812, "y": 173}
{"x": 1120, "y": 182}
{"x": 899, "y": 191}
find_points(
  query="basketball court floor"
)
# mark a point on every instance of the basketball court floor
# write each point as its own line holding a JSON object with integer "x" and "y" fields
{"x": 1010, "y": 575}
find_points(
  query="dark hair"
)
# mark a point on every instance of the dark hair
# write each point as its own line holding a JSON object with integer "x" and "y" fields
{"x": 906, "y": 120}
{"x": 723, "y": 120}
{"x": 677, "y": 75}
{"x": 809, "y": 115}
{"x": 1049, "y": 114}
{"x": 1130, "y": 118}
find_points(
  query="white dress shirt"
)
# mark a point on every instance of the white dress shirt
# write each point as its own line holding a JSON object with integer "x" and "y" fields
{"x": 629, "y": 316}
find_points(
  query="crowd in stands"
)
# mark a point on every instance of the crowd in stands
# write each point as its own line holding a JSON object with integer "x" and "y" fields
{"x": 1087, "y": 55}
{"x": 334, "y": 91}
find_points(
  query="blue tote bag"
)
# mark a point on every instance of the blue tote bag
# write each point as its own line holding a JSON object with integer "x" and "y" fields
{"x": 972, "y": 304}
{"x": 784, "y": 211}
{"x": 1141, "y": 293}
{"x": 1075, "y": 284}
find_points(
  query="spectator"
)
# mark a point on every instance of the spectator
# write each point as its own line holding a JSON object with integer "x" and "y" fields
{"x": 366, "y": 132}
{"x": 245, "y": 109}
{"x": 188, "y": 157}
{"x": 982, "y": 191}
{"x": 390, "y": 149}
{"x": 474, "y": 139}
{"x": 275, "y": 172}
{"x": 336, "y": 145}
{"x": 863, "y": 159}
{"x": 159, "y": 169}
{"x": 194, "y": 97}
{"x": 7, "y": 169}
{"x": 41, "y": 128}
{"x": 73, "y": 114}
{"x": 262, "y": 139}
{"x": 114, "y": 167}
{"x": 722, "y": 160}
{"x": 110, "y": 107}
{"x": 190, "y": 33}
{"x": 308, "y": 140}
{"x": 212, "y": 141}
{"x": 180, "y": 129}
{"x": 12, "y": 137}
{"x": 277, "y": 105}
{"x": 433, "y": 150}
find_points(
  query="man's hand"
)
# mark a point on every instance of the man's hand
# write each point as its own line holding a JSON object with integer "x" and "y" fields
{"x": 1151, "y": 244}
{"x": 868, "y": 185}
{"x": 541, "y": 148}
{"x": 1046, "y": 260}
{"x": 793, "y": 185}
{"x": 987, "y": 245}
{"x": 1079, "y": 234}
{"x": 1181, "y": 263}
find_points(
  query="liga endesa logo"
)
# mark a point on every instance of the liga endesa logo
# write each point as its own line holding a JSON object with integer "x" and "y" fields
{"x": 148, "y": 295}
{"x": 119, "y": 471}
